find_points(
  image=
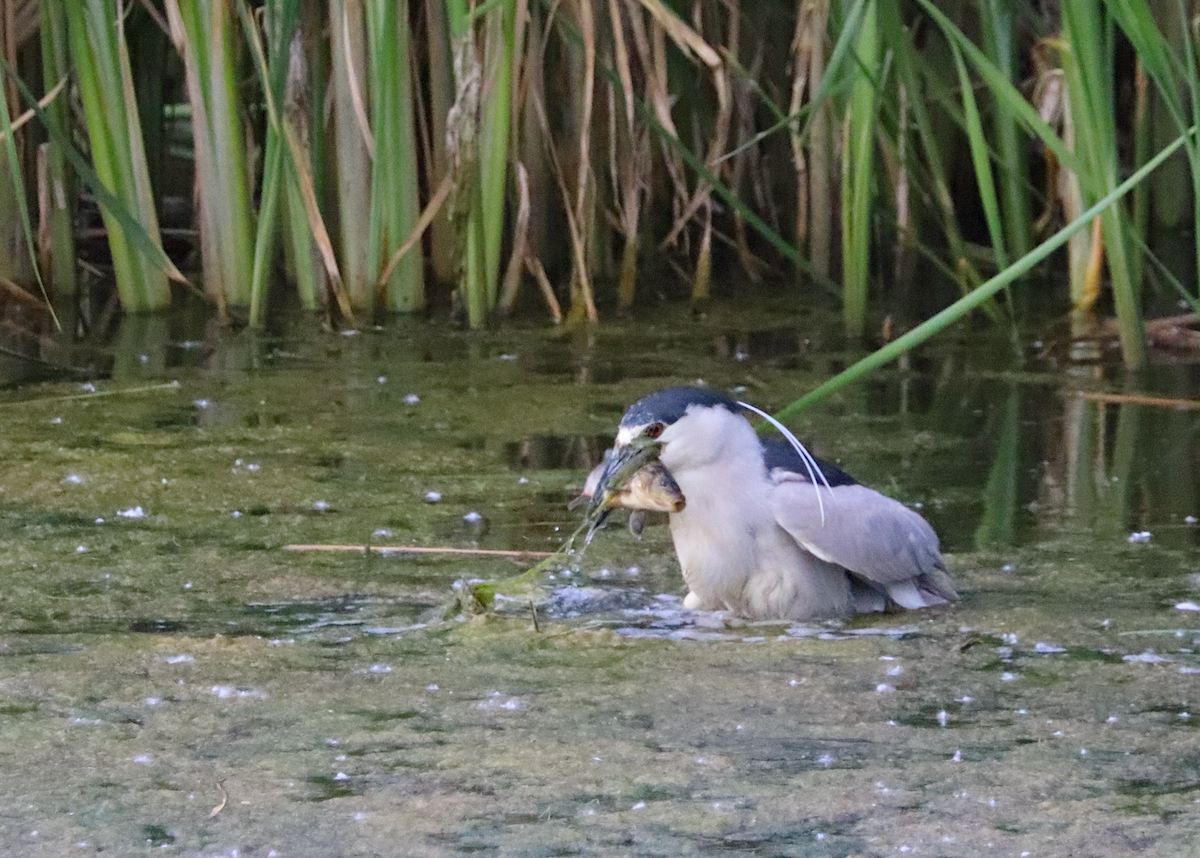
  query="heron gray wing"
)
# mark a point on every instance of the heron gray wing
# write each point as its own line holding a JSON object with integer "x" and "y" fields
{"x": 869, "y": 534}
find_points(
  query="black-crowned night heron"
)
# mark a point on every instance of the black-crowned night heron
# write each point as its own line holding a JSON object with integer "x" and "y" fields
{"x": 765, "y": 530}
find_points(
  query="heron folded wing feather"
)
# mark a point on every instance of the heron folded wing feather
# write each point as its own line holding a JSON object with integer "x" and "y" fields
{"x": 869, "y": 534}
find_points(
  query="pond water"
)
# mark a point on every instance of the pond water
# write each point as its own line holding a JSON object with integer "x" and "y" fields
{"x": 173, "y": 681}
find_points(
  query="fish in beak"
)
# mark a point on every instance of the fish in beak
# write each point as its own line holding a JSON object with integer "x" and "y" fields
{"x": 630, "y": 477}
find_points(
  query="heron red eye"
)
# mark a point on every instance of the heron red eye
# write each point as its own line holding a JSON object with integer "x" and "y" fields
{"x": 654, "y": 430}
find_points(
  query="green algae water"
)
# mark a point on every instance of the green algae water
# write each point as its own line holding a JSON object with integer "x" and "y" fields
{"x": 172, "y": 681}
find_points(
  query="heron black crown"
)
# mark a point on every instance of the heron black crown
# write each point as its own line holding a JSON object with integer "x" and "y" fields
{"x": 669, "y": 405}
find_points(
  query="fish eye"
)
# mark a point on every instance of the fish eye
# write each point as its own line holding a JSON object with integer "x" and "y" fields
{"x": 654, "y": 430}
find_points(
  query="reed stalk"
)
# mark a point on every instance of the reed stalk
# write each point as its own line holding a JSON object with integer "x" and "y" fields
{"x": 18, "y": 217}
{"x": 812, "y": 143}
{"x": 14, "y": 258}
{"x": 629, "y": 158}
{"x": 1000, "y": 33}
{"x": 205, "y": 34}
{"x": 981, "y": 158}
{"x": 303, "y": 173}
{"x": 858, "y": 174}
{"x": 462, "y": 134}
{"x": 1161, "y": 33}
{"x": 917, "y": 79}
{"x": 281, "y": 209}
{"x": 1166, "y": 55}
{"x": 57, "y": 228}
{"x": 353, "y": 145}
{"x": 395, "y": 202}
{"x": 1087, "y": 62}
{"x": 580, "y": 200}
{"x": 279, "y": 23}
{"x": 499, "y": 39}
{"x": 101, "y": 60}
{"x": 307, "y": 74}
{"x": 440, "y": 71}
{"x": 1142, "y": 141}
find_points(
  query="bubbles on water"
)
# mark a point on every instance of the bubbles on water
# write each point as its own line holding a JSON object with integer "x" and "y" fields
{"x": 232, "y": 692}
{"x": 1147, "y": 657}
{"x": 495, "y": 701}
